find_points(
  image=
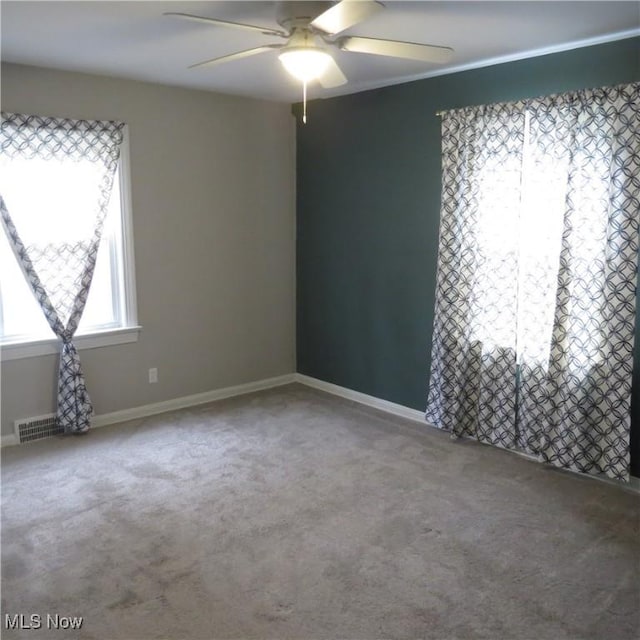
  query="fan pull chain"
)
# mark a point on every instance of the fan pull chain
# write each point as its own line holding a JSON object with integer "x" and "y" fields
{"x": 304, "y": 101}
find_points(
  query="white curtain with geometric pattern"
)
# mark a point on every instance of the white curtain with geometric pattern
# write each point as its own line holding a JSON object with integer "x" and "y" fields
{"x": 473, "y": 366}
{"x": 59, "y": 272}
{"x": 537, "y": 269}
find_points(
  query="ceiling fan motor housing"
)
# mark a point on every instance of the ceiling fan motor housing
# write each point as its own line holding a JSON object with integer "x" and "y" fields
{"x": 290, "y": 15}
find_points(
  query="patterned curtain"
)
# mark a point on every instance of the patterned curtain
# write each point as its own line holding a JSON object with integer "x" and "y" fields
{"x": 564, "y": 258}
{"x": 58, "y": 272}
{"x": 575, "y": 410}
{"x": 473, "y": 366}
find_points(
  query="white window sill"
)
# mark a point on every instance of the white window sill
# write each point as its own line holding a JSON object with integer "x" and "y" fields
{"x": 31, "y": 349}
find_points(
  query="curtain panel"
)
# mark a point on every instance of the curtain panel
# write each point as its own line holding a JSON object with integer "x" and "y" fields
{"x": 59, "y": 273}
{"x": 536, "y": 287}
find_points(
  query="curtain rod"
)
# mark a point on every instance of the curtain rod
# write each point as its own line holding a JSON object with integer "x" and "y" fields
{"x": 440, "y": 113}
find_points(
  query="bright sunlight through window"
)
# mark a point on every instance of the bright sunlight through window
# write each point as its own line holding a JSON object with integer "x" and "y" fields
{"x": 521, "y": 212}
{"x": 48, "y": 200}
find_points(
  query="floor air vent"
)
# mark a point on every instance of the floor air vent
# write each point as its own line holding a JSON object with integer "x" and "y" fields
{"x": 36, "y": 428}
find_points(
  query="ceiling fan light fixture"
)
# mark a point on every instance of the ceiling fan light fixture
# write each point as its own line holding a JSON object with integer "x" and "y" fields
{"x": 305, "y": 63}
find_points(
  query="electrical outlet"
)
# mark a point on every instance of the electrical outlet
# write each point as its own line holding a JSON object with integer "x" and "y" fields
{"x": 153, "y": 375}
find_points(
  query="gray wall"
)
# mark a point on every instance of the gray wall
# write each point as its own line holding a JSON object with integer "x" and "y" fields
{"x": 213, "y": 213}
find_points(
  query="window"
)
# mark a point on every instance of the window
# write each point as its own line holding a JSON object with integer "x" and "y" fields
{"x": 537, "y": 269}
{"x": 38, "y": 192}
{"x": 521, "y": 200}
{"x": 521, "y": 211}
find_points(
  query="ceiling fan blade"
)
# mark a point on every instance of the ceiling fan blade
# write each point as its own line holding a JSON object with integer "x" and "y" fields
{"x": 396, "y": 49}
{"x": 332, "y": 76}
{"x": 345, "y": 14}
{"x": 225, "y": 23}
{"x": 238, "y": 56}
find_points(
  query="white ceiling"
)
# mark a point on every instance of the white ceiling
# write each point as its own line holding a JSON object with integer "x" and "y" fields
{"x": 134, "y": 40}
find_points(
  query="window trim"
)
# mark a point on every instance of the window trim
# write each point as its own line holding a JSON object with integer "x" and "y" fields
{"x": 128, "y": 257}
{"x": 99, "y": 338}
{"x": 50, "y": 346}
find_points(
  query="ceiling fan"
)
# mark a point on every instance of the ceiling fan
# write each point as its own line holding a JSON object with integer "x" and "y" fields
{"x": 311, "y": 29}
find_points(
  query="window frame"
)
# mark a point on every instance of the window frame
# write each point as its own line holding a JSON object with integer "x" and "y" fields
{"x": 28, "y": 348}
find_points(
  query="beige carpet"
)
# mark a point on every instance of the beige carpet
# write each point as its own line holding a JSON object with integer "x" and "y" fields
{"x": 292, "y": 514}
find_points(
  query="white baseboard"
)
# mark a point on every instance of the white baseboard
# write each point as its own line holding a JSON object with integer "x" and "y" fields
{"x": 143, "y": 411}
{"x": 9, "y": 440}
{"x": 371, "y": 401}
{"x": 418, "y": 416}
{"x": 102, "y": 420}
{"x": 270, "y": 383}
{"x": 189, "y": 401}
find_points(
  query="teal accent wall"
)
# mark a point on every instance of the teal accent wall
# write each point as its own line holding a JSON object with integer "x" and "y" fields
{"x": 368, "y": 205}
